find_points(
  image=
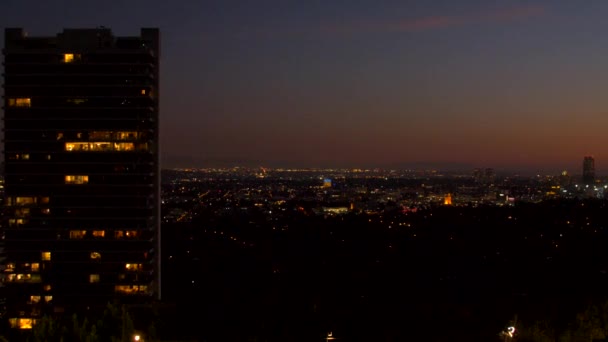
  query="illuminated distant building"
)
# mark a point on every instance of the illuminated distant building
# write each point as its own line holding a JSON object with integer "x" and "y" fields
{"x": 489, "y": 174}
{"x": 477, "y": 174}
{"x": 565, "y": 179}
{"x": 327, "y": 183}
{"x": 82, "y": 172}
{"x": 447, "y": 199}
{"x": 484, "y": 175}
{"x": 588, "y": 170}
{"x": 335, "y": 210}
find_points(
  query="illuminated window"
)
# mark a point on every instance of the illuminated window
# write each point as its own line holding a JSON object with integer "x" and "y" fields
{"x": 127, "y": 234}
{"x": 99, "y": 146}
{"x": 76, "y": 179}
{"x": 124, "y": 146}
{"x": 99, "y": 233}
{"x": 71, "y": 57}
{"x": 34, "y": 299}
{"x": 134, "y": 267}
{"x": 20, "y": 102}
{"x": 93, "y": 278}
{"x": 95, "y": 255}
{"x": 106, "y": 135}
{"x": 23, "y": 278}
{"x": 46, "y": 256}
{"x": 47, "y": 287}
{"x": 25, "y": 156}
{"x": 59, "y": 136}
{"x": 44, "y": 200}
{"x": 77, "y": 101}
{"x": 131, "y": 233}
{"x": 45, "y": 211}
{"x": 22, "y": 200}
{"x": 143, "y": 91}
{"x": 10, "y": 267}
{"x": 48, "y": 298}
{"x": 126, "y": 135}
{"x": 17, "y": 222}
{"x": 26, "y": 323}
{"x": 35, "y": 267}
{"x": 113, "y": 135}
{"x": 131, "y": 289}
{"x": 22, "y": 212}
{"x": 77, "y": 234}
{"x": 22, "y": 323}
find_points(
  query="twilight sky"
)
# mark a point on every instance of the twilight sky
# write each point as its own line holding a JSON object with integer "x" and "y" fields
{"x": 503, "y": 84}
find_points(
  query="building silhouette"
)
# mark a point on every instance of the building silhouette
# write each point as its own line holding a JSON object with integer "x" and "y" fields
{"x": 588, "y": 170}
{"x": 82, "y": 177}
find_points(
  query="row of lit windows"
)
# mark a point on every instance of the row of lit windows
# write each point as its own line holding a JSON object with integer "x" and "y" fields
{"x": 96, "y": 278}
{"x": 131, "y": 289}
{"x": 134, "y": 267}
{"x": 81, "y": 234}
{"x": 37, "y": 299}
{"x": 118, "y": 234}
{"x": 16, "y": 156}
{"x": 76, "y": 179}
{"x": 71, "y": 57}
{"x": 19, "y": 201}
{"x": 105, "y": 135}
{"x": 22, "y": 323}
{"x": 10, "y": 267}
{"x": 17, "y": 222}
{"x": 23, "y": 278}
{"x": 22, "y": 212}
{"x": 23, "y": 156}
{"x": 114, "y": 135}
{"x": 99, "y": 146}
{"x": 20, "y": 102}
{"x": 26, "y": 102}
{"x": 35, "y": 266}
{"x": 46, "y": 256}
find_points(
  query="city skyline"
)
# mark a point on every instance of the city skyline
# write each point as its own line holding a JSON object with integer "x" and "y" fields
{"x": 515, "y": 86}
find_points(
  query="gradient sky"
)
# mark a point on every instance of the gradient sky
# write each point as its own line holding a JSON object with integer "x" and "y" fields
{"x": 503, "y": 84}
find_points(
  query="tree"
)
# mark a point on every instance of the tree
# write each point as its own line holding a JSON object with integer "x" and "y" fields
{"x": 115, "y": 324}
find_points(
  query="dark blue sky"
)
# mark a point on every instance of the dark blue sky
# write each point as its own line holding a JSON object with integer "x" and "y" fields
{"x": 509, "y": 84}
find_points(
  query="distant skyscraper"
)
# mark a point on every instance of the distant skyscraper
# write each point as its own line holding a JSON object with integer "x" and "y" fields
{"x": 447, "y": 200}
{"x": 588, "y": 170}
{"x": 484, "y": 175}
{"x": 82, "y": 177}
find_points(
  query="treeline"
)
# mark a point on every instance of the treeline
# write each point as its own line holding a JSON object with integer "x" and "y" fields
{"x": 589, "y": 324}
{"x": 114, "y": 324}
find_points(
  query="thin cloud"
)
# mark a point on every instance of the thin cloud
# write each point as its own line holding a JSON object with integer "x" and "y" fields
{"x": 439, "y": 22}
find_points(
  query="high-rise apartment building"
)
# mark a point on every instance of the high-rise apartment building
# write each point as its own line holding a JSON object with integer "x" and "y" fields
{"x": 588, "y": 170}
{"x": 82, "y": 177}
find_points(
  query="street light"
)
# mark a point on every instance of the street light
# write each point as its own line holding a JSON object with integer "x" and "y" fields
{"x": 330, "y": 336}
{"x": 137, "y": 338}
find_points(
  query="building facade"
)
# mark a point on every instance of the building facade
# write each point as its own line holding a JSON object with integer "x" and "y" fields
{"x": 588, "y": 170}
{"x": 82, "y": 171}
